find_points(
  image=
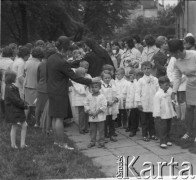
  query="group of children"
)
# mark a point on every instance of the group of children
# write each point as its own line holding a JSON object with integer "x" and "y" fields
{"x": 125, "y": 99}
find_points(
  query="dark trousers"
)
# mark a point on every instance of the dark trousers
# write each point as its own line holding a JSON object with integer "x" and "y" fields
{"x": 190, "y": 121}
{"x": 94, "y": 127}
{"x": 147, "y": 122}
{"x": 109, "y": 126}
{"x": 164, "y": 126}
{"x": 133, "y": 121}
{"x": 122, "y": 118}
{"x": 83, "y": 119}
{"x": 2, "y": 107}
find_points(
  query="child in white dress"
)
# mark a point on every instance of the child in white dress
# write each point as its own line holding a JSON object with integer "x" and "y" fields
{"x": 96, "y": 106}
{"x": 109, "y": 91}
{"x": 79, "y": 96}
{"x": 163, "y": 111}
{"x": 147, "y": 87}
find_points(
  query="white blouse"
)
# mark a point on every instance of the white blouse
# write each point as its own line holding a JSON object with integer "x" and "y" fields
{"x": 162, "y": 105}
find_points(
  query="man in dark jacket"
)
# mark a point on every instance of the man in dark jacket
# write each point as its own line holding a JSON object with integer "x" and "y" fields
{"x": 58, "y": 73}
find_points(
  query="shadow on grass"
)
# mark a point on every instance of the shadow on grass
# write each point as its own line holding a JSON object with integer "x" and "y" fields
{"x": 177, "y": 131}
{"x": 42, "y": 160}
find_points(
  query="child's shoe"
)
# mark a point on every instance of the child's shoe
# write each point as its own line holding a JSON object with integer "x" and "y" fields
{"x": 91, "y": 145}
{"x": 153, "y": 137}
{"x": 24, "y": 146}
{"x": 164, "y": 146}
{"x": 169, "y": 143}
{"x": 146, "y": 139}
{"x": 113, "y": 139}
{"x": 101, "y": 146}
{"x": 14, "y": 147}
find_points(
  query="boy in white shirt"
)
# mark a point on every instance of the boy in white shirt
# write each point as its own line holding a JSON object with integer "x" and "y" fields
{"x": 109, "y": 91}
{"x": 121, "y": 86}
{"x": 133, "y": 119}
{"x": 163, "y": 111}
{"x": 147, "y": 87}
{"x": 96, "y": 106}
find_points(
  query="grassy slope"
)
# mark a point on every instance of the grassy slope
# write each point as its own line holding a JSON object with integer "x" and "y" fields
{"x": 42, "y": 160}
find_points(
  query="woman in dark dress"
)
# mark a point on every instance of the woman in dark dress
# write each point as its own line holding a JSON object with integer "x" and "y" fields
{"x": 58, "y": 73}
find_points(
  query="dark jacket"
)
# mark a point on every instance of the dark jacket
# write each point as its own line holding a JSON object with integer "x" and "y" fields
{"x": 58, "y": 74}
{"x": 14, "y": 105}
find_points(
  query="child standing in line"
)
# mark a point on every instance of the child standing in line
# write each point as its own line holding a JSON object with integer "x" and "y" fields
{"x": 110, "y": 68}
{"x": 96, "y": 106}
{"x": 79, "y": 96}
{"x": 121, "y": 86}
{"x": 109, "y": 91}
{"x": 147, "y": 87}
{"x": 163, "y": 111}
{"x": 14, "y": 109}
{"x": 85, "y": 65}
{"x": 133, "y": 118}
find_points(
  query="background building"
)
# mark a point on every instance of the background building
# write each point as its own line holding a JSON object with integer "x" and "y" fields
{"x": 185, "y": 18}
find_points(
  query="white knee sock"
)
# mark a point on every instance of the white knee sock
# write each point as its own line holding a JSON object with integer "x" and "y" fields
{"x": 13, "y": 135}
{"x": 183, "y": 110}
{"x": 23, "y": 134}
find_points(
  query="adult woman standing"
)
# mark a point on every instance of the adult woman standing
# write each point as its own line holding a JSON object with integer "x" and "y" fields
{"x": 131, "y": 55}
{"x": 185, "y": 64}
{"x": 18, "y": 68}
{"x": 160, "y": 58}
{"x": 58, "y": 73}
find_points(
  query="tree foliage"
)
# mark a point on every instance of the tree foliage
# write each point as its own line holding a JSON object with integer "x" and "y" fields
{"x": 27, "y": 20}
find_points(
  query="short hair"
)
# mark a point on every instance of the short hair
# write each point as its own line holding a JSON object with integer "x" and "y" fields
{"x": 106, "y": 72}
{"x": 29, "y": 45}
{"x": 49, "y": 51}
{"x": 175, "y": 45}
{"x": 190, "y": 40}
{"x": 7, "y": 52}
{"x": 79, "y": 71}
{"x": 13, "y": 46}
{"x": 39, "y": 43}
{"x": 149, "y": 39}
{"x": 146, "y": 63}
{"x": 137, "y": 38}
{"x": 108, "y": 67}
{"x": 23, "y": 51}
{"x": 163, "y": 79}
{"x": 37, "y": 52}
{"x": 97, "y": 83}
{"x": 10, "y": 77}
{"x": 63, "y": 42}
{"x": 130, "y": 43}
{"x": 121, "y": 70}
{"x": 83, "y": 64}
{"x": 160, "y": 41}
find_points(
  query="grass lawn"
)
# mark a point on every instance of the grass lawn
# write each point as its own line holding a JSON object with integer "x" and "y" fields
{"x": 177, "y": 131}
{"x": 42, "y": 160}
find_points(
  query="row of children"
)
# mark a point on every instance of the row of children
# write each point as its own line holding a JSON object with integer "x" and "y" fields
{"x": 129, "y": 97}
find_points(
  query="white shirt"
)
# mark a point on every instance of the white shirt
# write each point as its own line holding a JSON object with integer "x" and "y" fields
{"x": 147, "y": 87}
{"x": 130, "y": 95}
{"x": 162, "y": 105}
{"x": 94, "y": 103}
{"x": 121, "y": 86}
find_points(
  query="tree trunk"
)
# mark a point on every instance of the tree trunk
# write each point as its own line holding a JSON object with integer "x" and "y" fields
{"x": 23, "y": 11}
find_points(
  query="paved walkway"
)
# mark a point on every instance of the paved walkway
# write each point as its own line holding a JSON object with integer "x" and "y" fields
{"x": 106, "y": 159}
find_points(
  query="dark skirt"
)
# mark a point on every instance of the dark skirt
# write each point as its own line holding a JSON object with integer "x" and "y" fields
{"x": 59, "y": 107}
{"x": 41, "y": 101}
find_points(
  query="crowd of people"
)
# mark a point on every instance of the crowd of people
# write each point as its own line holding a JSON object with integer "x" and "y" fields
{"x": 119, "y": 84}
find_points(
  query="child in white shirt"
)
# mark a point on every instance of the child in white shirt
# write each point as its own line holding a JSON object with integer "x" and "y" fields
{"x": 147, "y": 86}
{"x": 121, "y": 86}
{"x": 163, "y": 111}
{"x": 79, "y": 95}
{"x": 133, "y": 118}
{"x": 110, "y": 68}
{"x": 85, "y": 65}
{"x": 109, "y": 91}
{"x": 96, "y": 106}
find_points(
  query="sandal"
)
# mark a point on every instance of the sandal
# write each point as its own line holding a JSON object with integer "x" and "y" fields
{"x": 154, "y": 138}
{"x": 146, "y": 139}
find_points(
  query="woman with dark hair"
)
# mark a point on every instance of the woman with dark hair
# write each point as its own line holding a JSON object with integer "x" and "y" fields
{"x": 161, "y": 57}
{"x": 5, "y": 64}
{"x": 58, "y": 73}
{"x": 149, "y": 50}
{"x": 189, "y": 43}
{"x": 97, "y": 57}
{"x": 131, "y": 56}
{"x": 137, "y": 42}
{"x": 185, "y": 64}
{"x": 18, "y": 68}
